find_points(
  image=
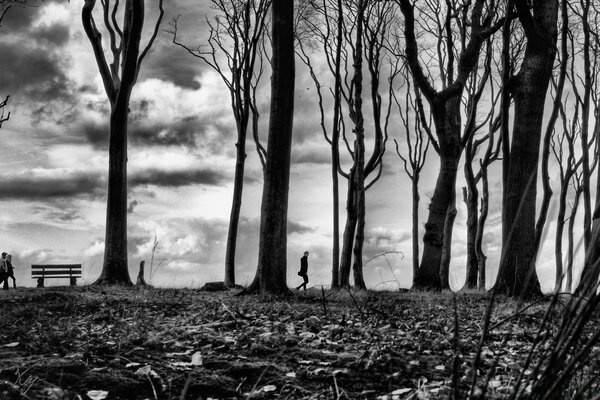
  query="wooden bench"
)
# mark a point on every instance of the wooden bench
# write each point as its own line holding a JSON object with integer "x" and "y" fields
{"x": 43, "y": 271}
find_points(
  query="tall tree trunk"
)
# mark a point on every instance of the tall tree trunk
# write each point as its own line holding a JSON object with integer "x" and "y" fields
{"x": 571, "y": 241}
{"x": 592, "y": 258}
{"x": 359, "y": 149}
{"x": 560, "y": 225}
{"x": 447, "y": 247}
{"x": 505, "y": 100}
{"x": 517, "y": 275}
{"x": 118, "y": 79}
{"x": 415, "y": 227}
{"x": 349, "y": 231}
{"x": 272, "y": 251}
{"x": 585, "y": 123}
{"x": 335, "y": 255}
{"x": 481, "y": 257}
{"x": 471, "y": 199}
{"x": 236, "y": 205}
{"x": 335, "y": 151}
{"x": 115, "y": 269}
{"x": 447, "y": 122}
{"x": 558, "y": 99}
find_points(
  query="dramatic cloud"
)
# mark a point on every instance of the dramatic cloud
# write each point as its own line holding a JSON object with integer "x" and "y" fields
{"x": 178, "y": 178}
{"x": 170, "y": 63}
{"x": 56, "y": 35}
{"x": 43, "y": 187}
{"x": 32, "y": 71}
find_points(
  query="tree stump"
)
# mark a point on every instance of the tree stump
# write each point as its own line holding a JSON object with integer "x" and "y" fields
{"x": 140, "y": 278}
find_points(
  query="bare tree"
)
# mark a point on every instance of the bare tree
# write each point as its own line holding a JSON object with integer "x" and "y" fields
{"x": 517, "y": 275}
{"x": 345, "y": 60}
{"x": 272, "y": 252}
{"x": 374, "y": 19}
{"x": 417, "y": 145}
{"x": 569, "y": 134}
{"x": 476, "y": 21}
{"x": 236, "y": 34}
{"x": 588, "y": 16}
{"x": 119, "y": 78}
{"x": 321, "y": 25}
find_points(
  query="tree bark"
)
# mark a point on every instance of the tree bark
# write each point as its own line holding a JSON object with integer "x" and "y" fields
{"x": 118, "y": 84}
{"x": 415, "y": 227}
{"x": 447, "y": 123}
{"x": 471, "y": 199}
{"x": 447, "y": 247}
{"x": 359, "y": 150}
{"x": 517, "y": 275}
{"x": 272, "y": 253}
{"x": 115, "y": 268}
{"x": 349, "y": 231}
{"x": 236, "y": 205}
{"x": 335, "y": 152}
{"x": 560, "y": 225}
{"x": 571, "y": 241}
{"x": 481, "y": 257}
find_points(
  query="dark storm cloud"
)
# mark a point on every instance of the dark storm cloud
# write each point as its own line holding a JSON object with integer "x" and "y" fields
{"x": 183, "y": 132}
{"x": 96, "y": 134}
{"x": 170, "y": 63}
{"x": 178, "y": 178}
{"x": 311, "y": 155}
{"x": 36, "y": 188}
{"x": 56, "y": 35}
{"x": 179, "y": 133}
{"x": 32, "y": 71}
{"x": 19, "y": 19}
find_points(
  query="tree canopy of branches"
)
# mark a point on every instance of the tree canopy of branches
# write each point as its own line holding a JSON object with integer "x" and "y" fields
{"x": 118, "y": 78}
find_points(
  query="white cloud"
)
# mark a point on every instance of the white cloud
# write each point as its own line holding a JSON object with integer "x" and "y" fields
{"x": 94, "y": 250}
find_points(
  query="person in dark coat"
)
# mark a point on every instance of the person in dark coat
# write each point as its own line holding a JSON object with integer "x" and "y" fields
{"x": 303, "y": 270}
{"x": 3, "y": 272}
{"x": 10, "y": 271}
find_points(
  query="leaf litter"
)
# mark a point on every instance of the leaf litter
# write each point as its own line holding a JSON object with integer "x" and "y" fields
{"x": 86, "y": 343}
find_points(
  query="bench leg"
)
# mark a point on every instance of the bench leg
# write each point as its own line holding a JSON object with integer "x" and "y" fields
{"x": 73, "y": 281}
{"x": 40, "y": 282}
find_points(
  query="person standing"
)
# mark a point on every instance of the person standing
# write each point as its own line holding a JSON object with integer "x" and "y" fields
{"x": 10, "y": 271}
{"x": 303, "y": 270}
{"x": 4, "y": 272}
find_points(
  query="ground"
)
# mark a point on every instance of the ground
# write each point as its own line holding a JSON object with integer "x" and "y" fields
{"x": 130, "y": 343}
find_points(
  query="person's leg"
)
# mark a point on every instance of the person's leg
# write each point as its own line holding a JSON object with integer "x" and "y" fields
{"x": 12, "y": 276}
{"x": 305, "y": 277}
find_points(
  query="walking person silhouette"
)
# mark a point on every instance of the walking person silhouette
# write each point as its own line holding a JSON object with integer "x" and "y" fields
{"x": 303, "y": 270}
{"x": 10, "y": 271}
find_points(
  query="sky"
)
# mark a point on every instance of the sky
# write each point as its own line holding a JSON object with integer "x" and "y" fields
{"x": 54, "y": 165}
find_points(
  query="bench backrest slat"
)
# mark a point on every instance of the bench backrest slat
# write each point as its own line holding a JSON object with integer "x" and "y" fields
{"x": 56, "y": 266}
